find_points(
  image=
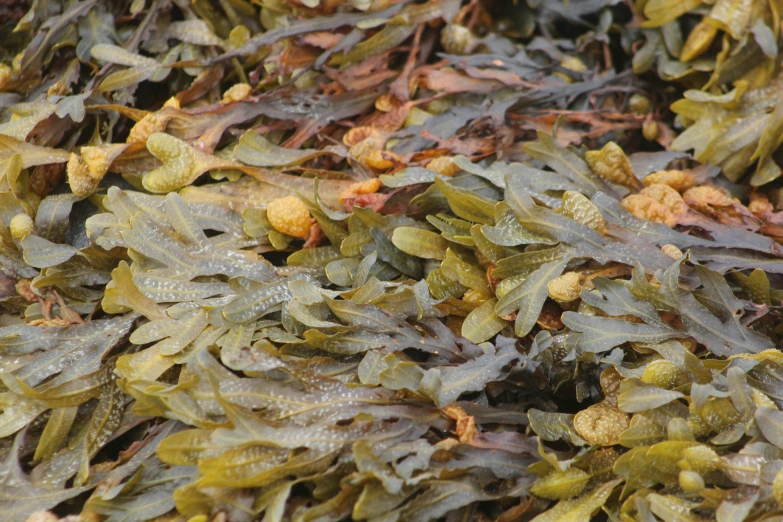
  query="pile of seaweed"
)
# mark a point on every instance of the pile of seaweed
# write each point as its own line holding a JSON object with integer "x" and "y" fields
{"x": 386, "y": 260}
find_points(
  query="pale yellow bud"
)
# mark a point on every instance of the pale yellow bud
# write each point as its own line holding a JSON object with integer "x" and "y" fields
{"x": 444, "y": 165}
{"x": 237, "y": 93}
{"x": 672, "y": 251}
{"x": 611, "y": 163}
{"x": 289, "y": 215}
{"x": 565, "y": 288}
{"x": 21, "y": 226}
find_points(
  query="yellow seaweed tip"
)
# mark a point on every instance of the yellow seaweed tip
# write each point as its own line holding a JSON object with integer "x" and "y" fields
{"x": 289, "y": 215}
